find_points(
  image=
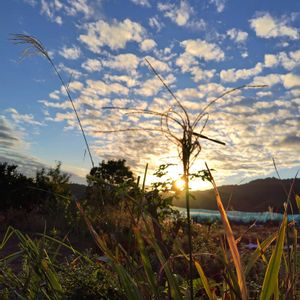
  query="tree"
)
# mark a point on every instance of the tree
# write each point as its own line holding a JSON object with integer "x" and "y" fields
{"x": 108, "y": 183}
{"x": 16, "y": 189}
{"x": 53, "y": 188}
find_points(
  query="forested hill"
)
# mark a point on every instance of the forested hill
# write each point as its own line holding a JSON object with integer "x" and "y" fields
{"x": 257, "y": 195}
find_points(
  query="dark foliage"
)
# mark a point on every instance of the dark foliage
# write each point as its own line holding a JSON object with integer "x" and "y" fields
{"x": 108, "y": 183}
{"x": 16, "y": 189}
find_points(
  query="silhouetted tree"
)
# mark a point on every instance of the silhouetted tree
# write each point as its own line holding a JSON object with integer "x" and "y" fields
{"x": 16, "y": 192}
{"x": 54, "y": 190}
{"x": 108, "y": 183}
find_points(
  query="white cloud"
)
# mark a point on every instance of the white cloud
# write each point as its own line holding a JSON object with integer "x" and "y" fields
{"x": 245, "y": 54}
{"x": 196, "y": 25}
{"x": 291, "y": 80}
{"x": 74, "y": 7}
{"x": 130, "y": 81}
{"x": 237, "y": 35}
{"x": 199, "y": 74}
{"x": 126, "y": 62}
{"x": 233, "y": 75}
{"x": 269, "y": 80}
{"x": 147, "y": 44}
{"x": 92, "y": 65}
{"x": 220, "y": 4}
{"x": 70, "y": 53}
{"x": 31, "y": 2}
{"x": 295, "y": 92}
{"x": 202, "y": 49}
{"x": 155, "y": 23}
{"x": 188, "y": 63}
{"x": 22, "y": 118}
{"x": 50, "y": 8}
{"x": 288, "y": 61}
{"x": 98, "y": 87}
{"x": 54, "y": 95}
{"x": 271, "y": 60}
{"x": 142, "y": 2}
{"x": 75, "y": 86}
{"x": 152, "y": 86}
{"x": 266, "y": 26}
{"x": 115, "y": 35}
{"x": 72, "y": 72}
{"x": 178, "y": 14}
{"x": 185, "y": 61}
{"x": 264, "y": 94}
{"x": 158, "y": 65}
{"x": 58, "y": 20}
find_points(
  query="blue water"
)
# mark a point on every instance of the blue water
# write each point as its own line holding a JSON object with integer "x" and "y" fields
{"x": 206, "y": 215}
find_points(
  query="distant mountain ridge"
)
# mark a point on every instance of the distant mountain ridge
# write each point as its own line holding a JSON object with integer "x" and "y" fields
{"x": 257, "y": 195}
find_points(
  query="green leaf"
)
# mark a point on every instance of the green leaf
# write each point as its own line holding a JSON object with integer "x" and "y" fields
{"x": 204, "y": 281}
{"x": 147, "y": 265}
{"x": 297, "y": 198}
{"x": 271, "y": 275}
{"x": 259, "y": 252}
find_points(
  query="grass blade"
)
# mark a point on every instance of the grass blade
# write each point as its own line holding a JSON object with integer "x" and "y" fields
{"x": 231, "y": 240}
{"x": 146, "y": 263}
{"x": 271, "y": 276}
{"x": 204, "y": 281}
{"x": 259, "y": 252}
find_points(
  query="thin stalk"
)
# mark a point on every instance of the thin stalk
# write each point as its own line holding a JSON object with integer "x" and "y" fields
{"x": 36, "y": 47}
{"x": 187, "y": 199}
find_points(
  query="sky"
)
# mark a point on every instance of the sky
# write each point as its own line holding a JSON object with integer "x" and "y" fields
{"x": 201, "y": 49}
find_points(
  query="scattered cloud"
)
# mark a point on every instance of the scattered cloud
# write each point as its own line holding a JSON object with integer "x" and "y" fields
{"x": 269, "y": 80}
{"x": 31, "y": 2}
{"x": 237, "y": 35}
{"x": 50, "y": 9}
{"x": 98, "y": 87}
{"x": 266, "y": 26}
{"x": 92, "y": 65}
{"x": 22, "y": 118}
{"x": 158, "y": 65}
{"x": 291, "y": 80}
{"x": 155, "y": 23}
{"x": 9, "y": 137}
{"x": 233, "y": 75}
{"x": 178, "y": 14}
{"x": 141, "y": 2}
{"x": 220, "y": 4}
{"x": 70, "y": 53}
{"x": 74, "y": 7}
{"x": 114, "y": 35}
{"x": 151, "y": 87}
{"x": 202, "y": 49}
{"x": 75, "y": 74}
{"x": 147, "y": 45}
{"x": 126, "y": 62}
{"x": 288, "y": 61}
{"x": 113, "y": 72}
{"x": 130, "y": 81}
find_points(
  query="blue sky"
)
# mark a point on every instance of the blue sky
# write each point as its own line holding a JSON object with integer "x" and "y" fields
{"x": 200, "y": 48}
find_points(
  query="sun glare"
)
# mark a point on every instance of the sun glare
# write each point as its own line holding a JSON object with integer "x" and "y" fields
{"x": 179, "y": 184}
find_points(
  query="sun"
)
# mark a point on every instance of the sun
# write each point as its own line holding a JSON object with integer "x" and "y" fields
{"x": 175, "y": 173}
{"x": 179, "y": 184}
